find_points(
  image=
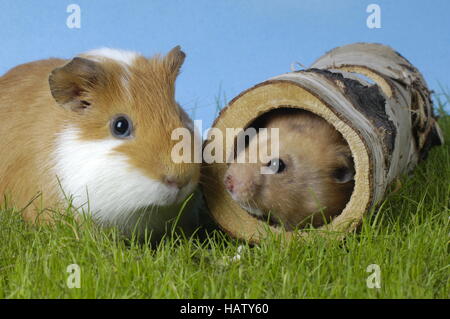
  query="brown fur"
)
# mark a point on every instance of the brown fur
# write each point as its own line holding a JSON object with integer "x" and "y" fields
{"x": 31, "y": 119}
{"x": 307, "y": 190}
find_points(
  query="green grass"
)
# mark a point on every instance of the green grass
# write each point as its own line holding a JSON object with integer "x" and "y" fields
{"x": 408, "y": 239}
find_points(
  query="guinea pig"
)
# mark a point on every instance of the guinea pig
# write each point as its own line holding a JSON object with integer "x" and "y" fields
{"x": 96, "y": 131}
{"x": 308, "y": 183}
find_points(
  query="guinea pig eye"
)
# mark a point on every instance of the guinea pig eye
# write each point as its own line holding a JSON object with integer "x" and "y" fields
{"x": 277, "y": 165}
{"x": 121, "y": 126}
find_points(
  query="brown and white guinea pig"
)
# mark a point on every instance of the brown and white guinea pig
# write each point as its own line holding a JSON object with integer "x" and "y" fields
{"x": 96, "y": 129}
{"x": 310, "y": 182}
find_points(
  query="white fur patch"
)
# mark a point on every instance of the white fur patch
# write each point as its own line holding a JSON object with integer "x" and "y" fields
{"x": 102, "y": 181}
{"x": 125, "y": 58}
{"x": 122, "y": 56}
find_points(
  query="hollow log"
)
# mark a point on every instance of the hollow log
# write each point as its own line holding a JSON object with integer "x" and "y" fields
{"x": 372, "y": 95}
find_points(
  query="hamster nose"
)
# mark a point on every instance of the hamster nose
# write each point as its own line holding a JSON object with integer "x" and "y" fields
{"x": 229, "y": 183}
{"x": 173, "y": 181}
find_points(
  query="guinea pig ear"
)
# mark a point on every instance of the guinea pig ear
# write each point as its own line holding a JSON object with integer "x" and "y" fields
{"x": 70, "y": 83}
{"x": 174, "y": 60}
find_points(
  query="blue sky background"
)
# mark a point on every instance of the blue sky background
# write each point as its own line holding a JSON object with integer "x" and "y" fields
{"x": 230, "y": 45}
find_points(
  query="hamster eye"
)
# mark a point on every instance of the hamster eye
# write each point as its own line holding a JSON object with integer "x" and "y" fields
{"x": 121, "y": 126}
{"x": 276, "y": 165}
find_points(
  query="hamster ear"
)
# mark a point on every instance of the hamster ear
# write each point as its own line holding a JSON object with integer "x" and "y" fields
{"x": 343, "y": 174}
{"x": 174, "y": 60}
{"x": 70, "y": 82}
{"x": 344, "y": 170}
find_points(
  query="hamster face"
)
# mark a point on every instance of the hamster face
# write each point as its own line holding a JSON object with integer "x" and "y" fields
{"x": 312, "y": 177}
{"x": 114, "y": 149}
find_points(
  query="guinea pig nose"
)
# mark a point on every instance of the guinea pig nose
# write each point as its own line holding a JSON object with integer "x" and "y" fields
{"x": 172, "y": 181}
{"x": 229, "y": 183}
